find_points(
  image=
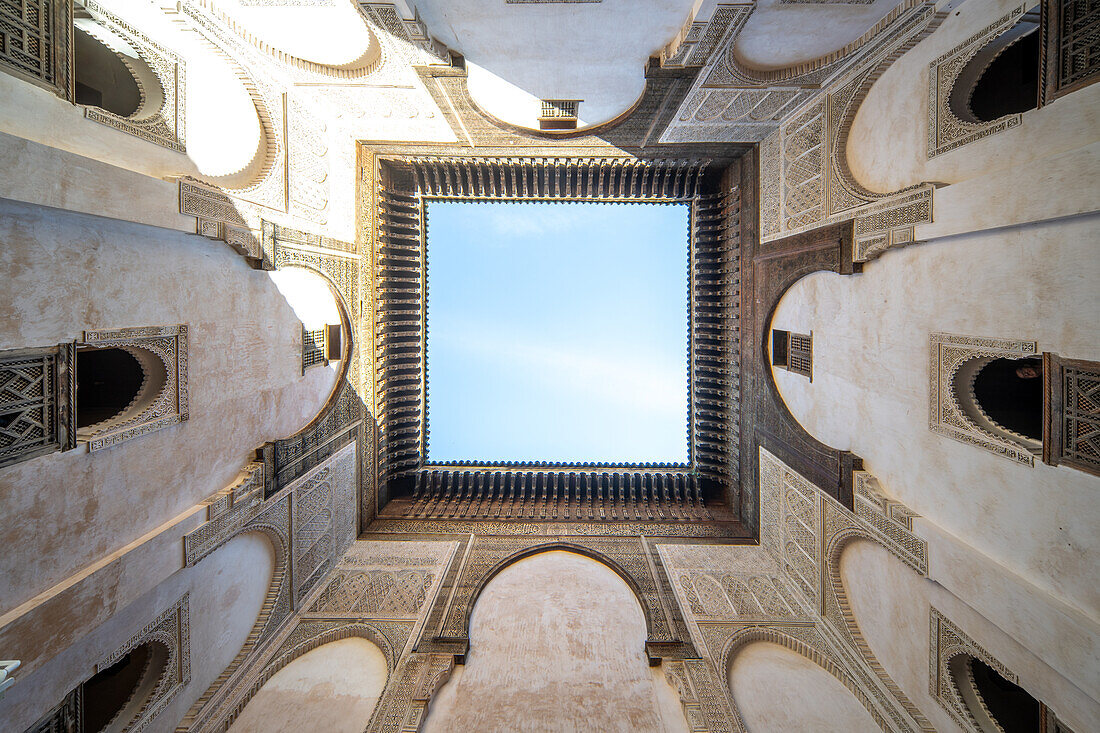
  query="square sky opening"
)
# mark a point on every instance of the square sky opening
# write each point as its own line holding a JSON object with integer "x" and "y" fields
{"x": 557, "y": 332}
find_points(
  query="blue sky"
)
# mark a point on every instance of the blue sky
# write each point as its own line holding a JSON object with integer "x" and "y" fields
{"x": 557, "y": 332}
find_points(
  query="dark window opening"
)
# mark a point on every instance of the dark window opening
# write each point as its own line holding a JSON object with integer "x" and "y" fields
{"x": 1010, "y": 392}
{"x": 102, "y": 79}
{"x": 1009, "y": 705}
{"x": 793, "y": 351}
{"x": 1010, "y": 85}
{"x": 108, "y": 691}
{"x": 779, "y": 347}
{"x": 107, "y": 382}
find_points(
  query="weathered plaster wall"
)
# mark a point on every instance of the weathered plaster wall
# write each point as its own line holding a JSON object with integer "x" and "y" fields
{"x": 892, "y": 606}
{"x": 331, "y": 688}
{"x": 226, "y": 592}
{"x": 888, "y": 144}
{"x": 77, "y": 272}
{"x": 778, "y": 689}
{"x": 557, "y": 642}
{"x": 870, "y": 387}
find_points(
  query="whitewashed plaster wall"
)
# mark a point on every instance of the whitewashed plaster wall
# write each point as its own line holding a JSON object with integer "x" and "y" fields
{"x": 888, "y": 144}
{"x": 892, "y": 605}
{"x": 557, "y": 642}
{"x": 780, "y": 34}
{"x": 226, "y": 592}
{"x": 332, "y": 688}
{"x": 72, "y": 512}
{"x": 596, "y": 52}
{"x": 777, "y": 690}
{"x": 1029, "y": 532}
{"x": 870, "y": 386}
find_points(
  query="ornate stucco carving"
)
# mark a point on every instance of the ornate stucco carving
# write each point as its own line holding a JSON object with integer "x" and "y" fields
{"x": 153, "y": 409}
{"x": 309, "y": 523}
{"x": 160, "y": 116}
{"x": 949, "y": 354}
{"x": 945, "y": 130}
{"x": 949, "y": 649}
{"x": 171, "y": 633}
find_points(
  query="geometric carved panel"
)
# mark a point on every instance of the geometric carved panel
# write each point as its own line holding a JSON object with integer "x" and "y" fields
{"x": 36, "y": 413}
{"x": 35, "y": 40}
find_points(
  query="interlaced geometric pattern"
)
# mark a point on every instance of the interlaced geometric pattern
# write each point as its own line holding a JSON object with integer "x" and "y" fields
{"x": 313, "y": 347}
{"x": 27, "y": 417}
{"x": 1081, "y": 421}
{"x": 1079, "y": 35}
{"x": 26, "y": 38}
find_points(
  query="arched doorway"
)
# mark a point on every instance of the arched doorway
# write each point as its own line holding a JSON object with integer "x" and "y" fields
{"x": 332, "y": 688}
{"x": 557, "y": 642}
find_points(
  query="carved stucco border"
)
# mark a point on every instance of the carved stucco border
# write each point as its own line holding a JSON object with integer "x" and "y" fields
{"x": 167, "y": 125}
{"x": 833, "y": 528}
{"x": 170, "y": 630}
{"x": 948, "y": 353}
{"x": 946, "y": 642}
{"x": 170, "y": 405}
{"x": 945, "y": 130}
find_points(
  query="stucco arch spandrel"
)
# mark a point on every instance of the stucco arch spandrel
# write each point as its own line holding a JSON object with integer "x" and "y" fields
{"x": 812, "y": 647}
{"x": 588, "y": 552}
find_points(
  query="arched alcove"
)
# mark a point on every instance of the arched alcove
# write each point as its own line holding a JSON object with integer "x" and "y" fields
{"x": 551, "y": 655}
{"x": 318, "y": 307}
{"x": 997, "y": 705}
{"x": 114, "y": 385}
{"x": 102, "y": 78}
{"x": 889, "y": 606}
{"x": 226, "y": 139}
{"x": 114, "y": 696}
{"x": 333, "y": 35}
{"x": 332, "y": 688}
{"x": 777, "y": 689}
{"x": 1006, "y": 395}
{"x": 1003, "y": 76}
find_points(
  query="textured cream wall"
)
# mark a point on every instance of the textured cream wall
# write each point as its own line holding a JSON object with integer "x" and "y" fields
{"x": 778, "y": 690}
{"x": 227, "y": 591}
{"x": 332, "y": 688}
{"x": 870, "y": 387}
{"x": 888, "y": 144}
{"x": 780, "y": 34}
{"x": 557, "y": 642}
{"x": 891, "y": 604}
{"x": 75, "y": 272}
